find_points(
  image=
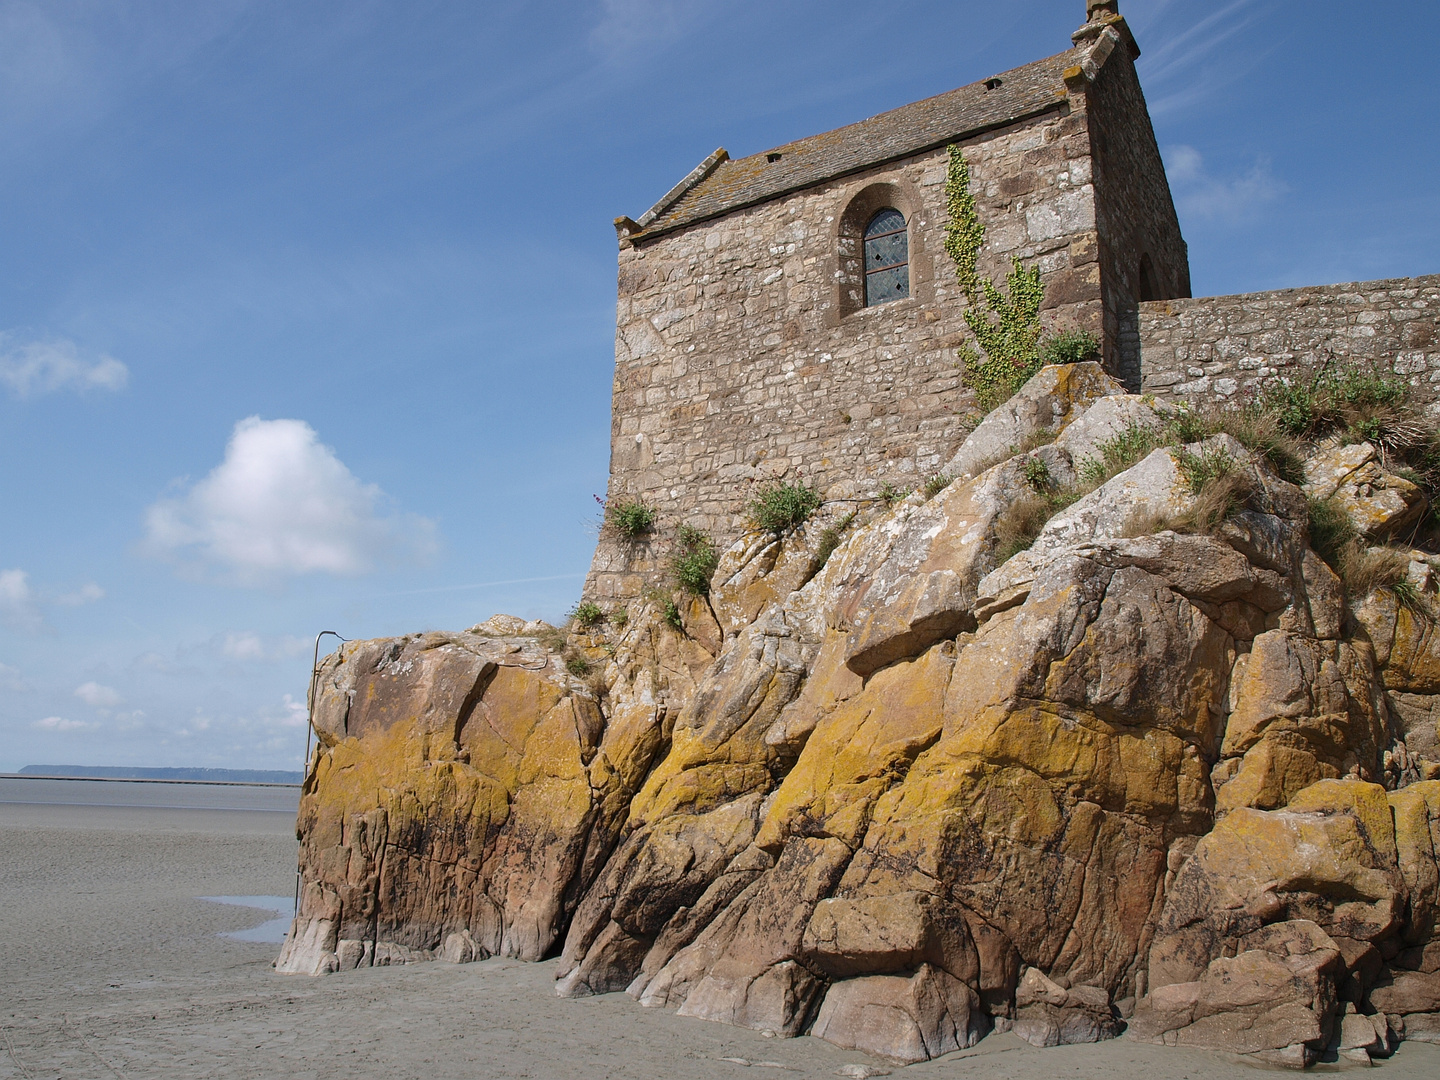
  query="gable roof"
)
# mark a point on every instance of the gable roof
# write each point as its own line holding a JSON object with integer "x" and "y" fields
{"x": 722, "y": 185}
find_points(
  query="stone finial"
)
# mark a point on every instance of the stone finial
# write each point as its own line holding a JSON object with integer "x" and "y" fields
{"x": 1102, "y": 15}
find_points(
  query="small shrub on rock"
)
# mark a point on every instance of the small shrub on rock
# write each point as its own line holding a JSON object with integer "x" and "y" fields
{"x": 1366, "y": 569}
{"x": 694, "y": 560}
{"x": 1116, "y": 455}
{"x": 778, "y": 506}
{"x": 1037, "y": 475}
{"x": 1337, "y": 400}
{"x": 587, "y": 613}
{"x": 1070, "y": 347}
{"x": 671, "y": 614}
{"x": 631, "y": 518}
{"x": 1362, "y": 569}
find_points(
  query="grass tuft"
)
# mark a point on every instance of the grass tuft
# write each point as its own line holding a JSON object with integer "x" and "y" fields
{"x": 1116, "y": 455}
{"x": 890, "y": 494}
{"x": 1331, "y": 532}
{"x": 1365, "y": 569}
{"x": 829, "y": 541}
{"x": 936, "y": 484}
{"x": 553, "y": 638}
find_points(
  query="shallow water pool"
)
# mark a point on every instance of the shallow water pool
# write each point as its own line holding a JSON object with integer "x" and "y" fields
{"x": 271, "y": 931}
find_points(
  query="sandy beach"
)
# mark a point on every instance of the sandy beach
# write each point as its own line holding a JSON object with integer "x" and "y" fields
{"x": 115, "y": 967}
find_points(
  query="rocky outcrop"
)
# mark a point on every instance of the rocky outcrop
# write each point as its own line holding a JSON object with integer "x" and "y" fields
{"x": 466, "y": 786}
{"x": 1379, "y": 502}
{"x": 896, "y": 793}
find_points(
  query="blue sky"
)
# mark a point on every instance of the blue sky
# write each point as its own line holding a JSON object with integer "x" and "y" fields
{"x": 306, "y": 315}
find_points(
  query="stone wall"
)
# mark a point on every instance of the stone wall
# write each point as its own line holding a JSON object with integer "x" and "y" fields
{"x": 738, "y": 358}
{"x": 1221, "y": 348}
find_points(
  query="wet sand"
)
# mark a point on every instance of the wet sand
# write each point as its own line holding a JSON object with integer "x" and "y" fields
{"x": 114, "y": 967}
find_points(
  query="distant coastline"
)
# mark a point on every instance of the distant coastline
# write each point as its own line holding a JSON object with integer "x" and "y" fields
{"x": 181, "y": 776}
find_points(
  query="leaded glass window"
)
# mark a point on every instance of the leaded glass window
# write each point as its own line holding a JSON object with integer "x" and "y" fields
{"x": 887, "y": 258}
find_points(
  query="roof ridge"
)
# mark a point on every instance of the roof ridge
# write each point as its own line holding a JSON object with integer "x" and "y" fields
{"x": 1017, "y": 94}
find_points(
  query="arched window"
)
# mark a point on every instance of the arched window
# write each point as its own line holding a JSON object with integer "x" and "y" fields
{"x": 887, "y": 258}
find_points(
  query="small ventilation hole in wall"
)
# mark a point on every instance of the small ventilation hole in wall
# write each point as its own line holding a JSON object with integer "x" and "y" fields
{"x": 772, "y": 157}
{"x": 992, "y": 84}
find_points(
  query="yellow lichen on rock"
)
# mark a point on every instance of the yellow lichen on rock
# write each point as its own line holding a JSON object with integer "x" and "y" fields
{"x": 909, "y": 794}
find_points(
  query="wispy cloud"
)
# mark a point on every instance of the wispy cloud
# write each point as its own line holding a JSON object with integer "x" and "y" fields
{"x": 248, "y": 646}
{"x": 23, "y": 605}
{"x": 282, "y": 503}
{"x": 11, "y": 679}
{"x": 1201, "y": 195}
{"x": 627, "y": 24}
{"x": 1167, "y": 56}
{"x": 63, "y": 65}
{"x": 88, "y": 593}
{"x": 97, "y": 696}
{"x": 1186, "y": 58}
{"x": 43, "y": 367}
{"x": 60, "y": 723}
{"x": 17, "y": 600}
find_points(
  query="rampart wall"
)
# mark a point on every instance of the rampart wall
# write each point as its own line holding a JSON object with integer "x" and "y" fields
{"x": 1222, "y": 348}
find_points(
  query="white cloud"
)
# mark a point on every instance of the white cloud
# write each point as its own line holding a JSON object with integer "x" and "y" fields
{"x": 41, "y": 367}
{"x": 296, "y": 714}
{"x": 1198, "y": 194}
{"x": 86, "y": 594}
{"x": 243, "y": 647}
{"x": 11, "y": 679}
{"x": 59, "y": 723}
{"x": 17, "y": 601}
{"x": 97, "y": 696}
{"x": 282, "y": 503}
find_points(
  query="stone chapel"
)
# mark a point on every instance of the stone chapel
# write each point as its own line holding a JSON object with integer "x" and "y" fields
{"x": 794, "y": 314}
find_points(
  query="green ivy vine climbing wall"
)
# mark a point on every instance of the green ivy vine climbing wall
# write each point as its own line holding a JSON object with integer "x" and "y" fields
{"x": 1006, "y": 324}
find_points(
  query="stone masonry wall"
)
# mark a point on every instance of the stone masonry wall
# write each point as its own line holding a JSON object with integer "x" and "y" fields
{"x": 1221, "y": 348}
{"x": 736, "y": 362}
{"x": 1135, "y": 213}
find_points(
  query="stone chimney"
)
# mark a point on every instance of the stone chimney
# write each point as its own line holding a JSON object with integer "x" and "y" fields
{"x": 1095, "y": 10}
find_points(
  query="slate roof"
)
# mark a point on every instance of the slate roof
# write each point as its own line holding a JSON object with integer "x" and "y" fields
{"x": 1022, "y": 92}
